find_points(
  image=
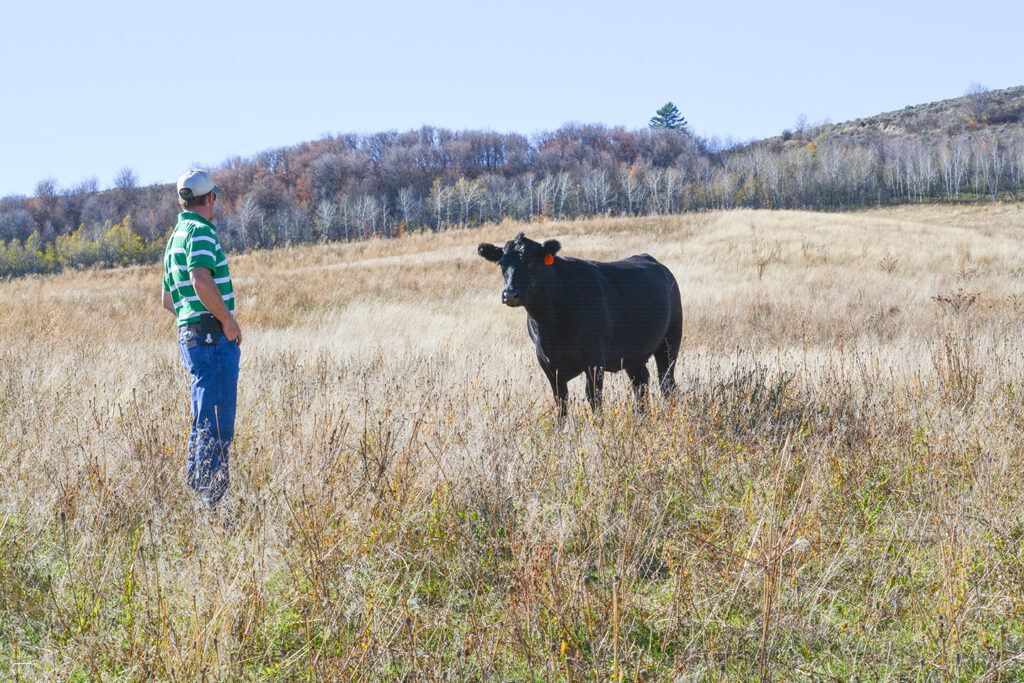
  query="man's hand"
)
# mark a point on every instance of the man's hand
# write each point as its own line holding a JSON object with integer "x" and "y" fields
{"x": 206, "y": 290}
{"x": 232, "y": 331}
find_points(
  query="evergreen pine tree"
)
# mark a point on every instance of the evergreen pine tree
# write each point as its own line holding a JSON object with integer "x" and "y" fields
{"x": 669, "y": 117}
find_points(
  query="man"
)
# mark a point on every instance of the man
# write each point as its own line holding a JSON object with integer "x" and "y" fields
{"x": 197, "y": 289}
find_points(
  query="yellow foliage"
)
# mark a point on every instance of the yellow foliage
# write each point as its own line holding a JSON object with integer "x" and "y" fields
{"x": 114, "y": 245}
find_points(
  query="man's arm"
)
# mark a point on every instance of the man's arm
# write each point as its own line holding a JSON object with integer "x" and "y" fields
{"x": 167, "y": 301}
{"x": 206, "y": 290}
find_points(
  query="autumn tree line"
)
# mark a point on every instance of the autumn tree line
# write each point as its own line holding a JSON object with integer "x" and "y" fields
{"x": 350, "y": 187}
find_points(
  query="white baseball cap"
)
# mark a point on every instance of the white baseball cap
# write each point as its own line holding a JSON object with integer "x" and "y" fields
{"x": 195, "y": 183}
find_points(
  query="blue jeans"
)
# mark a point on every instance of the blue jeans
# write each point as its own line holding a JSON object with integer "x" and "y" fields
{"x": 214, "y": 372}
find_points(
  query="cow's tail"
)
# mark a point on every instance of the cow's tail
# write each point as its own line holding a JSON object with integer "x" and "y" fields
{"x": 668, "y": 350}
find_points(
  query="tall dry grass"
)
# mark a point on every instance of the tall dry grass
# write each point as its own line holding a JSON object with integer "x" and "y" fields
{"x": 835, "y": 492}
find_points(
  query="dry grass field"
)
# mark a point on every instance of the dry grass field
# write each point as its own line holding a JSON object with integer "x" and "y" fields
{"x": 835, "y": 492}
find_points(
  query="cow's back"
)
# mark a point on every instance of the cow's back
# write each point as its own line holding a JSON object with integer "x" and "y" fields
{"x": 620, "y": 310}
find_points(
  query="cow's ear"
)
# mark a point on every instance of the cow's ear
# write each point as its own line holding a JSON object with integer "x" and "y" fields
{"x": 551, "y": 247}
{"x": 488, "y": 251}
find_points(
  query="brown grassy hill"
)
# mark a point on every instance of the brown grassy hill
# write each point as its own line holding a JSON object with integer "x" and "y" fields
{"x": 998, "y": 109}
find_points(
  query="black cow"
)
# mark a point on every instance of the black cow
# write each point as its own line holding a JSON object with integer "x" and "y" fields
{"x": 589, "y": 316}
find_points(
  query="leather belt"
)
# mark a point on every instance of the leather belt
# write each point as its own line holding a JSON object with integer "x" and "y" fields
{"x": 198, "y": 327}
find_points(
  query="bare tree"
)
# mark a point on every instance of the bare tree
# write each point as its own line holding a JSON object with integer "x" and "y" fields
{"x": 832, "y": 162}
{"x": 673, "y": 187}
{"x": 325, "y": 219}
{"x": 46, "y": 209}
{"x": 1015, "y": 160}
{"x": 528, "y": 194}
{"x": 800, "y": 125}
{"x": 772, "y": 173}
{"x": 596, "y": 190}
{"x": 862, "y": 163}
{"x": 632, "y": 187}
{"x": 384, "y": 211}
{"x": 346, "y": 216}
{"x": 407, "y": 206}
{"x": 125, "y": 183}
{"x": 495, "y": 199}
{"x": 440, "y": 203}
{"x": 976, "y": 101}
{"x": 952, "y": 159}
{"x": 543, "y": 193}
{"x": 327, "y": 174}
{"x": 990, "y": 160}
{"x": 561, "y": 186}
{"x": 654, "y": 179}
{"x": 467, "y": 194}
{"x": 75, "y": 201}
{"x": 896, "y": 167}
{"x": 800, "y": 164}
{"x": 704, "y": 173}
{"x": 368, "y": 214}
{"x": 252, "y": 222}
{"x": 923, "y": 170}
{"x": 16, "y": 224}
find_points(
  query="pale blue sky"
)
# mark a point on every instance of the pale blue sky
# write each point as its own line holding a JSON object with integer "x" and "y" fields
{"x": 91, "y": 88}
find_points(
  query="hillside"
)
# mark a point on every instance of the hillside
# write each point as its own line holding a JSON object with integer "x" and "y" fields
{"x": 352, "y": 187}
{"x": 996, "y": 111}
{"x": 834, "y": 494}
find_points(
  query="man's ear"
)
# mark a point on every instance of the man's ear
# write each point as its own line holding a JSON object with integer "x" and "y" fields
{"x": 551, "y": 247}
{"x": 488, "y": 251}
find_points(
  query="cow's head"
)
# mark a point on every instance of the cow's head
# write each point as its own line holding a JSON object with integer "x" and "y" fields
{"x": 524, "y": 265}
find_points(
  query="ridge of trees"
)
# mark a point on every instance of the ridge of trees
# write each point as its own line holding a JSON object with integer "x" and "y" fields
{"x": 351, "y": 186}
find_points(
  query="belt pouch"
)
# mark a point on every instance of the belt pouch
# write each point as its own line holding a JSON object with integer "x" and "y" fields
{"x": 209, "y": 328}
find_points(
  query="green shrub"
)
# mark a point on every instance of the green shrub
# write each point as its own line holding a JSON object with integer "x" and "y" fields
{"x": 112, "y": 245}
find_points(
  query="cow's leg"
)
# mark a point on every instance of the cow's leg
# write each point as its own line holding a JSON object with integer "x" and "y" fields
{"x": 665, "y": 356}
{"x": 639, "y": 377}
{"x": 595, "y": 384}
{"x": 560, "y": 388}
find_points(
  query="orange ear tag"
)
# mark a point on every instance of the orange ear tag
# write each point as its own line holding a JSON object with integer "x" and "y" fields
{"x": 548, "y": 259}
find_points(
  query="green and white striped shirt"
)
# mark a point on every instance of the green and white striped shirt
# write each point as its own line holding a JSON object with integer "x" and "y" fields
{"x": 194, "y": 244}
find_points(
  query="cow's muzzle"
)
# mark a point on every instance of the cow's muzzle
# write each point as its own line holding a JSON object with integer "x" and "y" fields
{"x": 510, "y": 297}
